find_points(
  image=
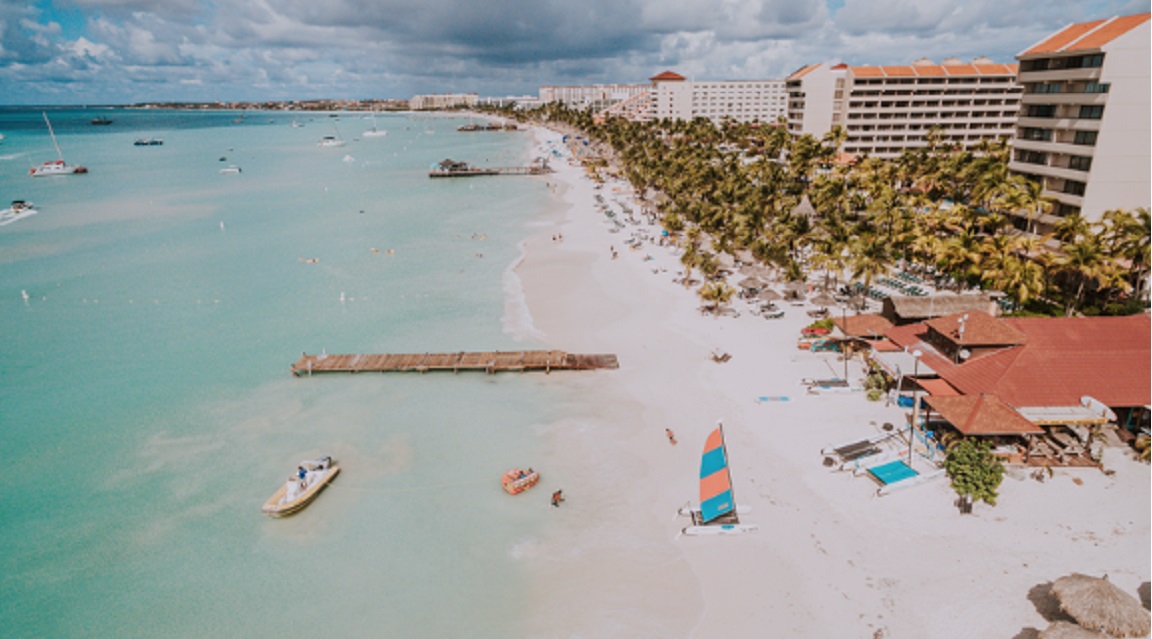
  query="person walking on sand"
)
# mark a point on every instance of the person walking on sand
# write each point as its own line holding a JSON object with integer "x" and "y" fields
{"x": 671, "y": 436}
{"x": 557, "y": 497}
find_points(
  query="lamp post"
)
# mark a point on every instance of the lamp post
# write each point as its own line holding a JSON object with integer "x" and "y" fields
{"x": 844, "y": 349}
{"x": 915, "y": 403}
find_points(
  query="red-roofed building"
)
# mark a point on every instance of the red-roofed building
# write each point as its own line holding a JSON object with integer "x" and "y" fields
{"x": 1038, "y": 363}
{"x": 1083, "y": 123}
{"x": 675, "y": 97}
{"x": 886, "y": 110}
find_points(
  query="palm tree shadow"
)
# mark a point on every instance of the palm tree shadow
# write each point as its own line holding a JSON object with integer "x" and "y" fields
{"x": 1047, "y": 604}
{"x": 1027, "y": 633}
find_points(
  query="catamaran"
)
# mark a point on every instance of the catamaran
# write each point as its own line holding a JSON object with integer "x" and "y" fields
{"x": 55, "y": 167}
{"x": 718, "y": 514}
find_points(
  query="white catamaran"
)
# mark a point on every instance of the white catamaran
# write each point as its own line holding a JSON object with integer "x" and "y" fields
{"x": 718, "y": 514}
{"x": 55, "y": 167}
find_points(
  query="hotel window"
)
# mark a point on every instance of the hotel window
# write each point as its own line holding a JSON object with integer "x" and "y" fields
{"x": 1032, "y": 157}
{"x": 1072, "y": 187}
{"x": 1096, "y": 87}
{"x": 1041, "y": 111}
{"x": 1091, "y": 111}
{"x": 1080, "y": 163}
{"x": 1046, "y": 87}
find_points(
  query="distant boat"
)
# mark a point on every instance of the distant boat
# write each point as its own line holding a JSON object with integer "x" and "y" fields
{"x": 516, "y": 481}
{"x": 331, "y": 140}
{"x": 148, "y": 142}
{"x": 101, "y": 121}
{"x": 301, "y": 488}
{"x": 56, "y": 167}
{"x": 374, "y": 132}
{"x": 230, "y": 169}
{"x": 718, "y": 514}
{"x": 18, "y": 211}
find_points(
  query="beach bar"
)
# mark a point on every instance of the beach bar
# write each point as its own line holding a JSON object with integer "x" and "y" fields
{"x": 490, "y": 362}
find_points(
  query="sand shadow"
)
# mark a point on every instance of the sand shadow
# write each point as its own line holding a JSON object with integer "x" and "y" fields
{"x": 1027, "y": 633}
{"x": 1047, "y": 604}
{"x": 1145, "y": 595}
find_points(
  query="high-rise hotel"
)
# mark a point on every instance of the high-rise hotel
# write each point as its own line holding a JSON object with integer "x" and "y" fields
{"x": 1083, "y": 130}
{"x": 886, "y": 110}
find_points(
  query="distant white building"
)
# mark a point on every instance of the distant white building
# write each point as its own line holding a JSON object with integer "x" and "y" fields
{"x": 1083, "y": 129}
{"x": 886, "y": 110}
{"x": 442, "y": 101}
{"x": 596, "y": 96}
{"x": 675, "y": 97}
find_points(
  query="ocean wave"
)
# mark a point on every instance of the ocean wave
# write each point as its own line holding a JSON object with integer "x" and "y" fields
{"x": 517, "y": 320}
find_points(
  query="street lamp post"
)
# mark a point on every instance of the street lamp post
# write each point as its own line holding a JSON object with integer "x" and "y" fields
{"x": 915, "y": 403}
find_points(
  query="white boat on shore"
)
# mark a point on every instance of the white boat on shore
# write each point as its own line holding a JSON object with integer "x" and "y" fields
{"x": 55, "y": 167}
{"x": 18, "y": 211}
{"x": 302, "y": 487}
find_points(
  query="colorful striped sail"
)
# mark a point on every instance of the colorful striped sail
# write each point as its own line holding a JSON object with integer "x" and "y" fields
{"x": 715, "y": 481}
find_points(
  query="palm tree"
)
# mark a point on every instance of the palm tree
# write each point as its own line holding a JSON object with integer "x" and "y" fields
{"x": 1086, "y": 262}
{"x": 869, "y": 256}
{"x": 1126, "y": 235}
{"x": 715, "y": 294}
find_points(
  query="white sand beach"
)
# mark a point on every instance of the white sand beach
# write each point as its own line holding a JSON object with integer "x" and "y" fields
{"x": 830, "y": 558}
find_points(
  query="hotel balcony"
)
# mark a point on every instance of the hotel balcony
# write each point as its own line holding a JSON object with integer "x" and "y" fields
{"x": 1046, "y": 146}
{"x": 1075, "y": 99}
{"x": 1075, "y": 124}
{"x": 1056, "y": 75}
{"x": 1048, "y": 171}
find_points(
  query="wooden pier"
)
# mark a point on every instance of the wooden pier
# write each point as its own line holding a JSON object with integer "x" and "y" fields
{"x": 451, "y": 168}
{"x": 490, "y": 362}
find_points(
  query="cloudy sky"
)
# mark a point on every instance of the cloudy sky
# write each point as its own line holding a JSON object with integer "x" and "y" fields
{"x": 125, "y": 51}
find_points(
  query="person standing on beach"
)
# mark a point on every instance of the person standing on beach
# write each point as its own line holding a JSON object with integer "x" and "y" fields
{"x": 557, "y": 497}
{"x": 671, "y": 436}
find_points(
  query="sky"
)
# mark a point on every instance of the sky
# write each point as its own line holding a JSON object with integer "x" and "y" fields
{"x": 129, "y": 51}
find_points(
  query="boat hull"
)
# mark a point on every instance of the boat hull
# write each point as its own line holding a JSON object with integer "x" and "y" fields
{"x": 273, "y": 507}
{"x": 514, "y": 484}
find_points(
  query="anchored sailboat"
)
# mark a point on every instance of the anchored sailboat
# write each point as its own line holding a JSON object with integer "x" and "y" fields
{"x": 374, "y": 132}
{"x": 718, "y": 513}
{"x": 57, "y": 167}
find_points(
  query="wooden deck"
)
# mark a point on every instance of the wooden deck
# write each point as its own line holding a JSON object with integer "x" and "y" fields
{"x": 490, "y": 362}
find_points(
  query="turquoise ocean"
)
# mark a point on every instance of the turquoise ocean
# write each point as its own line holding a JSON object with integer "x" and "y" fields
{"x": 151, "y": 311}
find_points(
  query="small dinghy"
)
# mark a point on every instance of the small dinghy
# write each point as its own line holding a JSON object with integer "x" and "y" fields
{"x": 517, "y": 481}
{"x": 302, "y": 487}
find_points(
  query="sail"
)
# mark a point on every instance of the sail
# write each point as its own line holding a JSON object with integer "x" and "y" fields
{"x": 715, "y": 481}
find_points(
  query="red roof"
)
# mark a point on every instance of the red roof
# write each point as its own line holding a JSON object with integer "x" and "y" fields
{"x": 1088, "y": 35}
{"x": 667, "y": 75}
{"x": 933, "y": 70}
{"x": 869, "y": 325}
{"x": 982, "y": 415}
{"x": 803, "y": 71}
{"x": 980, "y": 329}
{"x": 1063, "y": 359}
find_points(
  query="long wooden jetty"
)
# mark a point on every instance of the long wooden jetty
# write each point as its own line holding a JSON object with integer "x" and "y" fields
{"x": 452, "y": 168}
{"x": 490, "y": 362}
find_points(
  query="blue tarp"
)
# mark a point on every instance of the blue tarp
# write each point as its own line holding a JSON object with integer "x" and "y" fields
{"x": 892, "y": 472}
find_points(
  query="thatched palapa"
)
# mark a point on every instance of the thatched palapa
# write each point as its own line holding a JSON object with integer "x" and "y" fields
{"x": 1097, "y": 604}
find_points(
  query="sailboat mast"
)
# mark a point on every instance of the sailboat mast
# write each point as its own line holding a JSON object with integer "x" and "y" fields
{"x": 59, "y": 153}
{"x": 727, "y": 464}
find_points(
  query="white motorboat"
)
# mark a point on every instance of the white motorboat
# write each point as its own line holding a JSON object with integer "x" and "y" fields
{"x": 302, "y": 487}
{"x": 55, "y": 167}
{"x": 18, "y": 211}
{"x": 231, "y": 169}
{"x": 330, "y": 140}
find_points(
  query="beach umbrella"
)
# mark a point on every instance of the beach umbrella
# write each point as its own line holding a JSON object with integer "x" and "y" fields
{"x": 1097, "y": 604}
{"x": 750, "y": 282}
{"x": 768, "y": 295}
{"x": 749, "y": 269}
{"x": 1066, "y": 630}
{"x": 823, "y": 299}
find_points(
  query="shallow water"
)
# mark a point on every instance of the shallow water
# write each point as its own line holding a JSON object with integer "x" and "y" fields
{"x": 146, "y": 404}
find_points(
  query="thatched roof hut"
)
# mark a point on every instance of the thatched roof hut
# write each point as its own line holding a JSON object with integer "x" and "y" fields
{"x": 1066, "y": 630}
{"x": 1097, "y": 604}
{"x": 906, "y": 309}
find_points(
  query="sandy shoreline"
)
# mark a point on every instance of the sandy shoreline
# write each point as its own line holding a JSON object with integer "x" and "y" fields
{"x": 831, "y": 558}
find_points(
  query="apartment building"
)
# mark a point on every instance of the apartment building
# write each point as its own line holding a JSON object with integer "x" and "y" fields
{"x": 677, "y": 98}
{"x": 886, "y": 110}
{"x": 1083, "y": 128}
{"x": 442, "y": 101}
{"x": 596, "y": 96}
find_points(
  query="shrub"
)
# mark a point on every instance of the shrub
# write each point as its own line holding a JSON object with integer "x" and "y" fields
{"x": 974, "y": 470}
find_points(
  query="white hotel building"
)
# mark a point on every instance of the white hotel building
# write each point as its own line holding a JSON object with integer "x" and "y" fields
{"x": 886, "y": 110}
{"x": 675, "y": 97}
{"x": 1083, "y": 130}
{"x": 596, "y": 96}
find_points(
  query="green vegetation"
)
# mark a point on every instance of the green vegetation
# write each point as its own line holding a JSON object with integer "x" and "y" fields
{"x": 732, "y": 187}
{"x": 975, "y": 472}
